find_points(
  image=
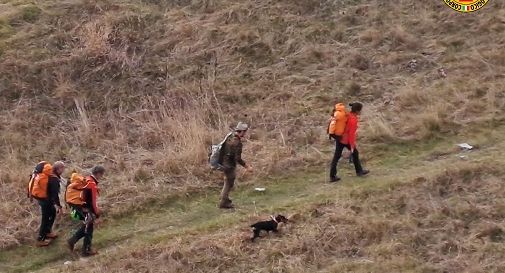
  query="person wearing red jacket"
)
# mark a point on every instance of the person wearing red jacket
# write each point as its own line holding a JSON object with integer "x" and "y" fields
{"x": 348, "y": 141}
{"x": 88, "y": 212}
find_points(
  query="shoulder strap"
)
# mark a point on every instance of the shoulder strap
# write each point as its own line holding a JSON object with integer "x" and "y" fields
{"x": 227, "y": 137}
{"x": 91, "y": 178}
{"x": 31, "y": 183}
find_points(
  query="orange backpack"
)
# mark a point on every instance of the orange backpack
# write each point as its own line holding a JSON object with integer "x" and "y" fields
{"x": 37, "y": 187}
{"x": 338, "y": 121}
{"x": 74, "y": 192}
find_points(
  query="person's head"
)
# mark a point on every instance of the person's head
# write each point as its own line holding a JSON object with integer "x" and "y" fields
{"x": 356, "y": 107}
{"x": 241, "y": 129}
{"x": 98, "y": 172}
{"x": 58, "y": 168}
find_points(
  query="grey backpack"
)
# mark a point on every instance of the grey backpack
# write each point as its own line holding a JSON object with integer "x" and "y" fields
{"x": 215, "y": 154}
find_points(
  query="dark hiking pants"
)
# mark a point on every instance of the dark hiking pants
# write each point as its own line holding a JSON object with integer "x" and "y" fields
{"x": 84, "y": 231}
{"x": 48, "y": 212}
{"x": 338, "y": 154}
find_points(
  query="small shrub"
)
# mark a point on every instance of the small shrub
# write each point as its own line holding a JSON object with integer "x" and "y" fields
{"x": 256, "y": 51}
{"x": 401, "y": 39}
{"x": 30, "y": 13}
{"x": 5, "y": 29}
{"x": 379, "y": 129}
{"x": 457, "y": 44}
{"x": 141, "y": 175}
{"x": 372, "y": 36}
{"x": 432, "y": 123}
{"x": 353, "y": 89}
{"x": 316, "y": 54}
{"x": 359, "y": 62}
{"x": 412, "y": 98}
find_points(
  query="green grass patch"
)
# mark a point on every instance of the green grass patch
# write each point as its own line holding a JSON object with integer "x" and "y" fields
{"x": 6, "y": 30}
{"x": 30, "y": 13}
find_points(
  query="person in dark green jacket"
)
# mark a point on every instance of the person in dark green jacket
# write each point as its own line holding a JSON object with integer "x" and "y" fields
{"x": 232, "y": 155}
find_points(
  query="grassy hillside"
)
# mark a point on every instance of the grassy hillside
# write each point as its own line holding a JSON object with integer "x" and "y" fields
{"x": 144, "y": 87}
{"x": 425, "y": 210}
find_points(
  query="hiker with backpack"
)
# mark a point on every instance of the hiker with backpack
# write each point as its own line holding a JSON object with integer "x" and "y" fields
{"x": 338, "y": 121}
{"x": 82, "y": 194}
{"x": 348, "y": 140}
{"x": 225, "y": 157}
{"x": 44, "y": 186}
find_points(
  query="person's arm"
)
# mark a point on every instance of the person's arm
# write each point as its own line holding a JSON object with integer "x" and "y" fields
{"x": 53, "y": 191}
{"x": 238, "y": 155}
{"x": 353, "y": 127}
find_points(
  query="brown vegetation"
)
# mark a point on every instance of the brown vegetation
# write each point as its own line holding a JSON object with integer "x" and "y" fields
{"x": 452, "y": 223}
{"x": 144, "y": 86}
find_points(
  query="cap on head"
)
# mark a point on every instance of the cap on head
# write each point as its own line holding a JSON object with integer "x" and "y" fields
{"x": 241, "y": 126}
{"x": 98, "y": 170}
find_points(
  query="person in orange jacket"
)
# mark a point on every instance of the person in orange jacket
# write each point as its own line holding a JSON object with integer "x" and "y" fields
{"x": 348, "y": 141}
{"x": 50, "y": 206}
{"x": 88, "y": 212}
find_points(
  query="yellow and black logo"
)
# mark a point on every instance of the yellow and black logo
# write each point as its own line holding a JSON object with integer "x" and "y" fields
{"x": 466, "y": 5}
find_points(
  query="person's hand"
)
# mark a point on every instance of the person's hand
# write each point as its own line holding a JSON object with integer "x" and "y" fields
{"x": 97, "y": 222}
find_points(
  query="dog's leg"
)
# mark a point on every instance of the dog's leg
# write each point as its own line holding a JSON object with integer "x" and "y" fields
{"x": 255, "y": 235}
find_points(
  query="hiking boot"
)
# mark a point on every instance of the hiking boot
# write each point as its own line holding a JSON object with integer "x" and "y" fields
{"x": 51, "y": 235}
{"x": 42, "y": 243}
{"x": 89, "y": 253}
{"x": 334, "y": 179}
{"x": 226, "y": 204}
{"x": 363, "y": 173}
{"x": 70, "y": 245}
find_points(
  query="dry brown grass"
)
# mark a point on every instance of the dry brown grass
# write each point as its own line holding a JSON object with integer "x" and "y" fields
{"x": 446, "y": 224}
{"x": 144, "y": 86}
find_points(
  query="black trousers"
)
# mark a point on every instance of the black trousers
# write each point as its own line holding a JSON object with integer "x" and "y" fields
{"x": 338, "y": 154}
{"x": 84, "y": 230}
{"x": 48, "y": 212}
